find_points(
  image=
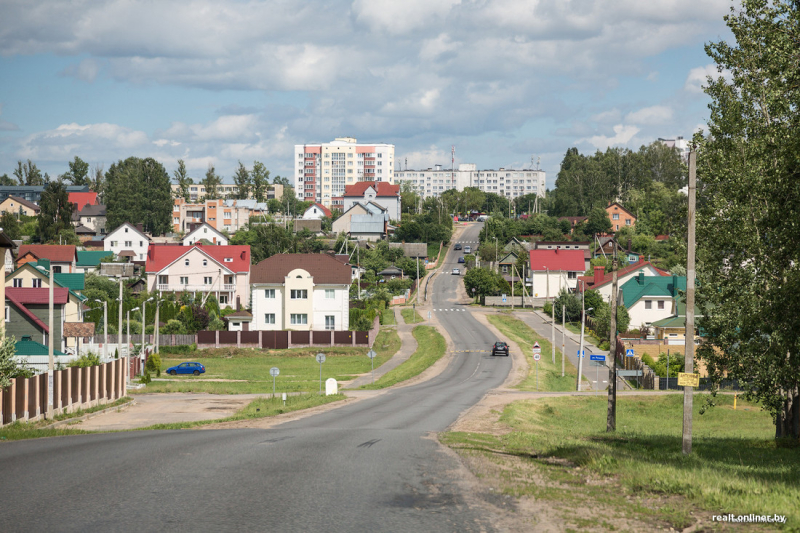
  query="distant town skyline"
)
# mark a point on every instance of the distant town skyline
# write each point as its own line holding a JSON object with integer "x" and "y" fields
{"x": 503, "y": 81}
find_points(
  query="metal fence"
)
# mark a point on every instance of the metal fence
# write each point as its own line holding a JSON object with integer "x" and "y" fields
{"x": 672, "y": 383}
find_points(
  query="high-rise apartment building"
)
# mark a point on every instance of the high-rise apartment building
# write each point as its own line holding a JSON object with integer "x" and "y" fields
{"x": 503, "y": 181}
{"x": 323, "y": 170}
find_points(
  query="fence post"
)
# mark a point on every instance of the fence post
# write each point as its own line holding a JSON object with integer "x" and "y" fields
{"x": 238, "y": 339}
{"x": 37, "y": 394}
{"x": 216, "y": 339}
{"x": 12, "y": 400}
{"x": 22, "y": 399}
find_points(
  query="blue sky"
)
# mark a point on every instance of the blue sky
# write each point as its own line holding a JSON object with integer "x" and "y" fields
{"x": 216, "y": 82}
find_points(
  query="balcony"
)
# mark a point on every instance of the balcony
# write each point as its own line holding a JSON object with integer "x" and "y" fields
{"x": 229, "y": 287}
{"x": 177, "y": 287}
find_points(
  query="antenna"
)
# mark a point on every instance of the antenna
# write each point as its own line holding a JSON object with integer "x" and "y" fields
{"x": 406, "y": 163}
{"x": 538, "y": 160}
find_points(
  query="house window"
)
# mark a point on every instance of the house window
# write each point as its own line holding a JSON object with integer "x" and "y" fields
{"x": 269, "y": 318}
{"x": 113, "y": 244}
{"x": 184, "y": 280}
{"x": 205, "y": 262}
{"x": 128, "y": 244}
{"x": 330, "y": 322}
{"x": 661, "y": 304}
{"x": 36, "y": 283}
{"x": 505, "y": 268}
{"x": 572, "y": 275}
{"x": 648, "y": 304}
{"x": 17, "y": 282}
{"x": 228, "y": 259}
{"x": 207, "y": 280}
{"x": 269, "y": 293}
{"x": 299, "y": 318}
{"x": 627, "y": 222}
{"x": 299, "y": 294}
{"x": 330, "y": 294}
{"x": 186, "y": 262}
{"x": 615, "y": 216}
{"x": 163, "y": 280}
{"x": 57, "y": 270}
{"x": 223, "y": 298}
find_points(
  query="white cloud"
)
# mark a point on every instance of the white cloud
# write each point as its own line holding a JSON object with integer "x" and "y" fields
{"x": 622, "y": 135}
{"x": 698, "y": 78}
{"x": 86, "y": 70}
{"x": 5, "y": 125}
{"x": 401, "y": 17}
{"x": 655, "y": 115}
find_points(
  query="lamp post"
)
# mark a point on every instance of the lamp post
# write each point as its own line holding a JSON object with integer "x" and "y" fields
{"x": 580, "y": 350}
{"x": 128, "y": 345}
{"x": 155, "y": 328}
{"x": 320, "y": 360}
{"x": 144, "y": 327}
{"x": 495, "y": 255}
{"x": 105, "y": 328}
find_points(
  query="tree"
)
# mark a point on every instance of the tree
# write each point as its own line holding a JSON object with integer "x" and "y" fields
{"x": 598, "y": 222}
{"x": 483, "y": 280}
{"x": 6, "y": 181}
{"x": 260, "y": 180}
{"x": 242, "y": 179}
{"x": 183, "y": 181}
{"x": 572, "y": 301}
{"x": 138, "y": 190}
{"x": 8, "y": 364}
{"x": 78, "y": 172}
{"x": 749, "y": 205}
{"x": 281, "y": 181}
{"x": 97, "y": 182}
{"x": 11, "y": 226}
{"x": 211, "y": 183}
{"x": 56, "y": 212}
{"x": 28, "y": 173}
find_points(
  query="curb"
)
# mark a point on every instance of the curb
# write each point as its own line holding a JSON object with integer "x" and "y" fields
{"x": 70, "y": 421}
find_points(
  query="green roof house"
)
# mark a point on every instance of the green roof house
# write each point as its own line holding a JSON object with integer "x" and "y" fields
{"x": 89, "y": 261}
{"x": 652, "y": 298}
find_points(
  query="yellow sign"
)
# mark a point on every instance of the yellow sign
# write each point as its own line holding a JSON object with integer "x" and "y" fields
{"x": 688, "y": 380}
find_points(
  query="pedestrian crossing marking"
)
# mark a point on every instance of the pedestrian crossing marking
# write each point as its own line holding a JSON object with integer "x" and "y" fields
{"x": 470, "y": 351}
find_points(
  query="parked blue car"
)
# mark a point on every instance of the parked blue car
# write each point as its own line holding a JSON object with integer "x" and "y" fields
{"x": 187, "y": 368}
{"x": 461, "y": 259}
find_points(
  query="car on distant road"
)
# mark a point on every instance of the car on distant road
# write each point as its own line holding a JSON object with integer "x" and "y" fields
{"x": 467, "y": 249}
{"x": 500, "y": 348}
{"x": 187, "y": 368}
{"x": 457, "y": 246}
{"x": 456, "y": 271}
{"x": 461, "y": 259}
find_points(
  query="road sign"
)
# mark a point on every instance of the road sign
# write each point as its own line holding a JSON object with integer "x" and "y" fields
{"x": 593, "y": 357}
{"x": 629, "y": 352}
{"x": 537, "y": 348}
{"x": 320, "y": 358}
{"x": 371, "y": 354}
{"x": 688, "y": 380}
{"x": 429, "y": 315}
{"x": 274, "y": 371}
{"x": 537, "y": 356}
{"x": 629, "y": 373}
{"x": 504, "y": 298}
{"x": 581, "y": 353}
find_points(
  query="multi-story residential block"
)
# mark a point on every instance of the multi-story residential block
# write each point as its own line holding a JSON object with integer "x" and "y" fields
{"x": 127, "y": 241}
{"x": 222, "y": 215}
{"x": 323, "y": 170}
{"x": 197, "y": 191}
{"x": 223, "y": 271}
{"x": 301, "y": 292}
{"x": 504, "y": 181}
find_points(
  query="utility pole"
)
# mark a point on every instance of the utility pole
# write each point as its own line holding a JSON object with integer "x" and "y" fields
{"x": 688, "y": 392}
{"x": 611, "y": 416}
{"x": 563, "y": 335}
{"x": 119, "y": 328}
{"x": 50, "y": 351}
{"x": 580, "y": 348}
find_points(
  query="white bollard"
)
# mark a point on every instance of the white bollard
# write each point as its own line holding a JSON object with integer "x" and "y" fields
{"x": 331, "y": 387}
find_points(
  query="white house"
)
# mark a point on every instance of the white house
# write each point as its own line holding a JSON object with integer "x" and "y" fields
{"x": 602, "y": 281}
{"x": 304, "y": 292}
{"x": 384, "y": 194}
{"x": 317, "y": 212}
{"x": 127, "y": 241}
{"x": 651, "y": 298}
{"x": 553, "y": 270}
{"x": 205, "y": 232}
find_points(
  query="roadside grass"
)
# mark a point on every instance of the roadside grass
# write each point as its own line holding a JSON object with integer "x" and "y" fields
{"x": 558, "y": 450}
{"x": 37, "y": 429}
{"x": 248, "y": 369}
{"x": 430, "y": 348}
{"x": 387, "y": 318}
{"x": 410, "y": 316}
{"x": 575, "y": 327}
{"x": 549, "y": 374}
{"x": 260, "y": 408}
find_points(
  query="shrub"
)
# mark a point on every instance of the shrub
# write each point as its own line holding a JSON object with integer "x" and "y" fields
{"x": 90, "y": 359}
{"x": 145, "y": 378}
{"x": 548, "y": 308}
{"x": 180, "y": 349}
{"x": 154, "y": 364}
{"x": 173, "y": 327}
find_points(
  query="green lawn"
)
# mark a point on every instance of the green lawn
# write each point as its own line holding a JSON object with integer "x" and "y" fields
{"x": 431, "y": 347}
{"x": 249, "y": 368}
{"x": 410, "y": 316}
{"x": 387, "y": 317}
{"x": 549, "y": 374}
{"x": 736, "y": 466}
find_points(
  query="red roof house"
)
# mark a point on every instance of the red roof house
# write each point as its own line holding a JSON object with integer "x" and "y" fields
{"x": 381, "y": 193}
{"x": 82, "y": 199}
{"x": 62, "y": 257}
{"x": 553, "y": 270}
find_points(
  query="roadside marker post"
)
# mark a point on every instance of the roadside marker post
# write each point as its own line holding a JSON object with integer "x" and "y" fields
{"x": 536, "y": 357}
{"x": 274, "y": 372}
{"x": 371, "y": 354}
{"x": 320, "y": 360}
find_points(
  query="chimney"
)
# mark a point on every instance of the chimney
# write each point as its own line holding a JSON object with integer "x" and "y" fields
{"x": 599, "y": 272}
{"x": 641, "y": 258}
{"x": 640, "y": 278}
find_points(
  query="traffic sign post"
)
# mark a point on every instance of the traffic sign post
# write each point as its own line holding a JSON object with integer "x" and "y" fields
{"x": 536, "y": 356}
{"x": 593, "y": 357}
{"x": 320, "y": 360}
{"x": 371, "y": 354}
{"x": 274, "y": 372}
{"x": 629, "y": 352}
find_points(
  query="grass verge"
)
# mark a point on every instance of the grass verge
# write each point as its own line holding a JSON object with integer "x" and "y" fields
{"x": 35, "y": 430}
{"x": 410, "y": 316}
{"x": 246, "y": 371}
{"x": 575, "y": 327}
{"x": 260, "y": 408}
{"x": 430, "y": 348}
{"x": 387, "y": 317}
{"x": 549, "y": 374}
{"x": 558, "y": 450}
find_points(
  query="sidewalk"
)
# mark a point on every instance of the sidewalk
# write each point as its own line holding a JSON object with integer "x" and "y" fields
{"x": 408, "y": 345}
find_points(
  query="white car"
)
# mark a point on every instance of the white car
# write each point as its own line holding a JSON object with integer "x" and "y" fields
{"x": 456, "y": 272}
{"x": 468, "y": 249}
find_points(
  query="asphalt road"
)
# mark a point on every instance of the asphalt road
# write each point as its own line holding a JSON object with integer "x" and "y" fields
{"x": 368, "y": 466}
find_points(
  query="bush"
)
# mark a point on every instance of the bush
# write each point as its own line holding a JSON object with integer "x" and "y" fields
{"x": 90, "y": 359}
{"x": 548, "y": 308}
{"x": 154, "y": 364}
{"x": 173, "y": 327}
{"x": 145, "y": 378}
{"x": 178, "y": 350}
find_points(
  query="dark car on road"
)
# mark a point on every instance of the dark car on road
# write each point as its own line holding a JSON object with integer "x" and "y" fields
{"x": 461, "y": 259}
{"x": 187, "y": 368}
{"x": 500, "y": 348}
{"x": 457, "y": 246}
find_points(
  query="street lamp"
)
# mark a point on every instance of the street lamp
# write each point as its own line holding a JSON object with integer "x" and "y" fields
{"x": 129, "y": 326}
{"x": 128, "y": 346}
{"x": 105, "y": 328}
{"x": 580, "y": 350}
{"x": 495, "y": 254}
{"x": 144, "y": 327}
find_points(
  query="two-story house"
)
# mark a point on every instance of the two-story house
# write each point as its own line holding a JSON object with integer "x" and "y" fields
{"x": 28, "y": 313}
{"x": 601, "y": 281}
{"x": 204, "y": 232}
{"x": 127, "y": 241}
{"x": 619, "y": 216}
{"x": 651, "y": 298}
{"x": 380, "y": 192}
{"x": 62, "y": 257}
{"x": 223, "y": 271}
{"x": 19, "y": 206}
{"x": 301, "y": 292}
{"x": 554, "y": 269}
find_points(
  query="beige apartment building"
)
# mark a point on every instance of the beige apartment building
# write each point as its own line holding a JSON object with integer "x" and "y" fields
{"x": 323, "y": 170}
{"x": 222, "y": 215}
{"x": 507, "y": 182}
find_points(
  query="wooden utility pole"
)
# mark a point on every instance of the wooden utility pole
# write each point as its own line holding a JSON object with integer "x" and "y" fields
{"x": 563, "y": 335}
{"x": 611, "y": 417}
{"x": 688, "y": 392}
{"x": 50, "y": 351}
{"x": 580, "y": 349}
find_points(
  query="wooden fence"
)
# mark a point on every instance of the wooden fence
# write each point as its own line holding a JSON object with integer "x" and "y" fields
{"x": 163, "y": 339}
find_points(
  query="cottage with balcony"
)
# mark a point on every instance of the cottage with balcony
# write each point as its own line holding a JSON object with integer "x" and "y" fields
{"x": 223, "y": 271}
{"x": 127, "y": 241}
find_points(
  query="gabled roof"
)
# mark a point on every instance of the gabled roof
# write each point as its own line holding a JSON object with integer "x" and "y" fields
{"x": 71, "y": 280}
{"x": 92, "y": 211}
{"x": 207, "y": 226}
{"x": 80, "y": 229}
{"x": 81, "y": 199}
{"x": 640, "y": 286}
{"x": 510, "y": 257}
{"x": 324, "y": 268}
{"x": 382, "y": 188}
{"x": 129, "y": 225}
{"x": 26, "y": 203}
{"x": 76, "y": 280}
{"x": 240, "y": 315}
{"x": 28, "y": 347}
{"x": 618, "y": 205}
{"x": 355, "y": 206}
{"x": 325, "y": 210}
{"x": 22, "y": 296}
{"x": 88, "y": 258}
{"x": 588, "y": 281}
{"x": 160, "y": 256}
{"x": 367, "y": 224}
{"x": 57, "y": 253}
{"x": 567, "y": 260}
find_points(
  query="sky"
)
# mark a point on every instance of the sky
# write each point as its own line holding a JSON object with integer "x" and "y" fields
{"x": 509, "y": 83}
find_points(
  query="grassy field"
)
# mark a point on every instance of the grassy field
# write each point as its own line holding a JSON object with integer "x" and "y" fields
{"x": 736, "y": 467}
{"x": 410, "y": 316}
{"x": 387, "y": 317}
{"x": 34, "y": 430}
{"x": 246, "y": 371}
{"x": 575, "y": 327}
{"x": 549, "y": 374}
{"x": 431, "y": 347}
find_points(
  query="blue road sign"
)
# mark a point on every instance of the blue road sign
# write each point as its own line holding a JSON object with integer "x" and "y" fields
{"x": 581, "y": 354}
{"x": 597, "y": 357}
{"x": 629, "y": 352}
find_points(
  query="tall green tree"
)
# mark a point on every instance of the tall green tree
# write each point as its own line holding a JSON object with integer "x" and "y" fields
{"x": 211, "y": 183}
{"x": 598, "y": 222}
{"x": 183, "y": 181}
{"x": 5, "y": 180}
{"x": 138, "y": 190}
{"x": 28, "y": 173}
{"x": 260, "y": 181}
{"x": 10, "y": 225}
{"x": 78, "y": 172}
{"x": 97, "y": 182}
{"x": 243, "y": 180}
{"x": 56, "y": 212}
{"x": 749, "y": 168}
